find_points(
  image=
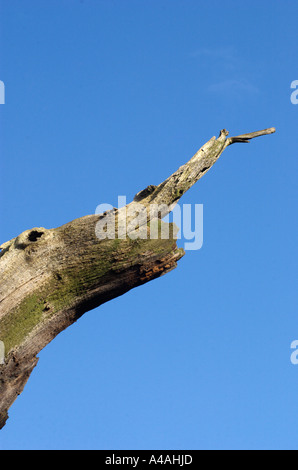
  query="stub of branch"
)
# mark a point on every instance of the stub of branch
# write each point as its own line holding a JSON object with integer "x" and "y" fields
{"x": 49, "y": 278}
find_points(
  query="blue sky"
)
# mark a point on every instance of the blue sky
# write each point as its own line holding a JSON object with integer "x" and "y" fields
{"x": 102, "y": 99}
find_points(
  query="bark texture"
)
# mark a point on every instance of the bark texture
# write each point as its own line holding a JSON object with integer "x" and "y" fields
{"x": 49, "y": 278}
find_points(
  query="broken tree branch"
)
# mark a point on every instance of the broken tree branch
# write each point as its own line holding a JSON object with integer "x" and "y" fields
{"x": 50, "y": 277}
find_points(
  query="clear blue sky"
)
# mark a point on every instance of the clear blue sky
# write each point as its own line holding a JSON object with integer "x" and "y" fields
{"x": 104, "y": 98}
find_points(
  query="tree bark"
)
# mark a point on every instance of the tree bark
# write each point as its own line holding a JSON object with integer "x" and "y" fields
{"x": 49, "y": 278}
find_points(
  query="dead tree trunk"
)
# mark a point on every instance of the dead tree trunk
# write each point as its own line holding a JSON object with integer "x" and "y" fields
{"x": 49, "y": 278}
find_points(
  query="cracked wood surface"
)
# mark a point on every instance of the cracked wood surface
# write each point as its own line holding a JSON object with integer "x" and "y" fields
{"x": 50, "y": 277}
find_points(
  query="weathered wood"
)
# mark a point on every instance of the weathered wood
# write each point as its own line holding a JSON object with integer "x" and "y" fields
{"x": 49, "y": 278}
